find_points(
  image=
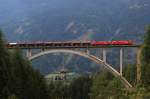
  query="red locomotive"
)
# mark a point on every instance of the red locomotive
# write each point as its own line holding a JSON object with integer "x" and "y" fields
{"x": 120, "y": 42}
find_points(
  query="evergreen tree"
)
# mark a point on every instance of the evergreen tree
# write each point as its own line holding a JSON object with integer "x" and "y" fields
{"x": 26, "y": 83}
{"x": 59, "y": 89}
{"x": 146, "y": 49}
{"x": 18, "y": 78}
{"x": 12, "y": 97}
{"x": 130, "y": 74}
{"x": 146, "y": 61}
{"x": 4, "y": 69}
{"x": 106, "y": 86}
{"x": 80, "y": 88}
{"x": 100, "y": 81}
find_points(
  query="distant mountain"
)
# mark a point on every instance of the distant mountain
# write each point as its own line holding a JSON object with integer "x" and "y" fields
{"x": 53, "y": 20}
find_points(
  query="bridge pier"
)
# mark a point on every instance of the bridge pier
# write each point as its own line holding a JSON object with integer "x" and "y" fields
{"x": 104, "y": 55}
{"x": 99, "y": 54}
{"x": 121, "y": 60}
{"x": 138, "y": 65}
{"x": 43, "y": 49}
{"x": 28, "y": 53}
{"x": 87, "y": 51}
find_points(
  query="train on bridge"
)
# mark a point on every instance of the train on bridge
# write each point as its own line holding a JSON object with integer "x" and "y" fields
{"x": 93, "y": 43}
{"x": 69, "y": 44}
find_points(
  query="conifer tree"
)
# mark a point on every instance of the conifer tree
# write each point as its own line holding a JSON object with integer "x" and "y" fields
{"x": 18, "y": 78}
{"x": 145, "y": 73}
{"x": 105, "y": 86}
{"x": 80, "y": 88}
{"x": 146, "y": 49}
{"x": 4, "y": 69}
{"x": 12, "y": 97}
{"x": 100, "y": 81}
{"x": 26, "y": 82}
{"x": 130, "y": 73}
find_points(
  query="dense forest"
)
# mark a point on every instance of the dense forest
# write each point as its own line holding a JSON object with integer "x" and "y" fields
{"x": 18, "y": 80}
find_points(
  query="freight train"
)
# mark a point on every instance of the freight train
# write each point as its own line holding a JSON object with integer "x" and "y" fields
{"x": 89, "y": 43}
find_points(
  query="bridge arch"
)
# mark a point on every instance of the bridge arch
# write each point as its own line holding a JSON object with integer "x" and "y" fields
{"x": 89, "y": 56}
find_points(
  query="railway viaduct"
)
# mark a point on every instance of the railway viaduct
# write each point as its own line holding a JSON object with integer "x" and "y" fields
{"x": 74, "y": 48}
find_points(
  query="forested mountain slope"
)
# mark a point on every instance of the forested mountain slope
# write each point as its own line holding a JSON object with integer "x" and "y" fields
{"x": 55, "y": 20}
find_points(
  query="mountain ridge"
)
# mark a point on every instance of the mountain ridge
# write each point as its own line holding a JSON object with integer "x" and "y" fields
{"x": 55, "y": 20}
